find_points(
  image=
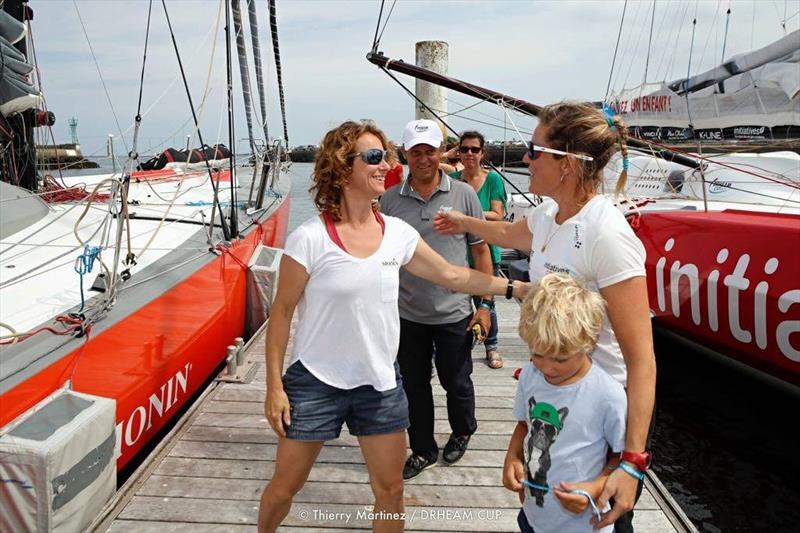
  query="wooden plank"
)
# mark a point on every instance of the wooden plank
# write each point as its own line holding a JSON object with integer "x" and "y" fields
{"x": 257, "y": 395}
{"x": 225, "y": 420}
{"x": 340, "y": 516}
{"x": 152, "y": 526}
{"x": 328, "y": 492}
{"x": 257, "y": 408}
{"x": 266, "y": 436}
{"x": 329, "y": 453}
{"x": 344, "y": 472}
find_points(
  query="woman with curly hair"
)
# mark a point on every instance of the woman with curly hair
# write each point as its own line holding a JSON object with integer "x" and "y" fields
{"x": 341, "y": 270}
{"x": 578, "y": 231}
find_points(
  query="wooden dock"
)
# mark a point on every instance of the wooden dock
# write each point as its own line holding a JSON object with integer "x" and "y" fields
{"x": 208, "y": 474}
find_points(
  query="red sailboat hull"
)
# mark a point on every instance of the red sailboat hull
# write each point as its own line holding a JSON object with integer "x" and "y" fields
{"x": 728, "y": 281}
{"x": 156, "y": 358}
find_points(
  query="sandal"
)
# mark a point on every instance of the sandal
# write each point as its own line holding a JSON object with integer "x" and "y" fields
{"x": 494, "y": 360}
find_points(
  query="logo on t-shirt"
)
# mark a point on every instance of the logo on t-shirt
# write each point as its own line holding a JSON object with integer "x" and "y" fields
{"x": 555, "y": 269}
{"x": 392, "y": 263}
{"x": 578, "y": 237}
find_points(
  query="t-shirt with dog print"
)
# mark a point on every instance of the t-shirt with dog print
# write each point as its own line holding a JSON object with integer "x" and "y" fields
{"x": 570, "y": 430}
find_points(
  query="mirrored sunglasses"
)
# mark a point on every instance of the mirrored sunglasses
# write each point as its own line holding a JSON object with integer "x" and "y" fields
{"x": 373, "y": 156}
{"x": 535, "y": 151}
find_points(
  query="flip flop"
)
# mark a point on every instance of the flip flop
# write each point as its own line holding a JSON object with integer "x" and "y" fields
{"x": 494, "y": 360}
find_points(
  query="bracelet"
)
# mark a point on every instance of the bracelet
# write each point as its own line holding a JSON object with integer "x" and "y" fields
{"x": 632, "y": 471}
{"x": 510, "y": 289}
{"x": 485, "y": 306}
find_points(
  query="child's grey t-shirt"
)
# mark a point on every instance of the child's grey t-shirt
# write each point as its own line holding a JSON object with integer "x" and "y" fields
{"x": 570, "y": 429}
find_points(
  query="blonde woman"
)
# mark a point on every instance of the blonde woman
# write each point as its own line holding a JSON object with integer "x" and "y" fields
{"x": 578, "y": 231}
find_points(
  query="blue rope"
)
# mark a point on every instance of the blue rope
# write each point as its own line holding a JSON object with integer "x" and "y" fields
{"x": 531, "y": 484}
{"x": 595, "y": 510}
{"x": 84, "y": 264}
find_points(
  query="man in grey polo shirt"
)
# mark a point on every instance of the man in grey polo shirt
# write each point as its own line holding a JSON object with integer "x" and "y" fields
{"x": 432, "y": 317}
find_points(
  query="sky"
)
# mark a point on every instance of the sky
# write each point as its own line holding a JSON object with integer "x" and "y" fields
{"x": 541, "y": 51}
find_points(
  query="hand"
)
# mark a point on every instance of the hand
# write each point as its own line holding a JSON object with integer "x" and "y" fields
{"x": 450, "y": 222}
{"x": 622, "y": 487}
{"x": 482, "y": 317}
{"x": 452, "y": 153}
{"x": 513, "y": 474}
{"x": 577, "y": 503}
{"x": 277, "y": 410}
{"x": 521, "y": 289}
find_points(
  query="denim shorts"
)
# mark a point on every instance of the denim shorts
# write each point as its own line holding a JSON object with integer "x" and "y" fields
{"x": 318, "y": 410}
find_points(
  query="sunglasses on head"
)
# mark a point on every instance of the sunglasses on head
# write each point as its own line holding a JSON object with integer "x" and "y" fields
{"x": 373, "y": 156}
{"x": 473, "y": 149}
{"x": 535, "y": 151}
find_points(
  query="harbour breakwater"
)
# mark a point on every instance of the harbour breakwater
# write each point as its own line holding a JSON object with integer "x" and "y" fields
{"x": 63, "y": 156}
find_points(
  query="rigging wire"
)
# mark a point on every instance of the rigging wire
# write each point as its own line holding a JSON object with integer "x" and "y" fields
{"x": 725, "y": 42}
{"x": 99, "y": 72}
{"x": 649, "y": 44}
{"x": 388, "y": 16}
{"x": 675, "y": 23}
{"x": 709, "y": 34}
{"x": 31, "y": 43}
{"x": 616, "y": 48}
{"x": 225, "y": 229}
{"x": 377, "y": 26}
{"x": 671, "y": 65}
{"x": 626, "y": 47}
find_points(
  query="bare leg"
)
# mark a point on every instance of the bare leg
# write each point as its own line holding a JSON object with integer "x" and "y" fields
{"x": 293, "y": 463}
{"x": 385, "y": 456}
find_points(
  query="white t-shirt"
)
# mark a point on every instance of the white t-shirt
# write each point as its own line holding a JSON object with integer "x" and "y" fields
{"x": 596, "y": 246}
{"x": 572, "y": 427}
{"x": 348, "y": 326}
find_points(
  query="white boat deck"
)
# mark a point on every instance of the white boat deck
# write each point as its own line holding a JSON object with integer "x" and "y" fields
{"x": 207, "y": 475}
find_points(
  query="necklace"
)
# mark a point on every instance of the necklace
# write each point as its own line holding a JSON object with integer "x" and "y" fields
{"x": 551, "y": 235}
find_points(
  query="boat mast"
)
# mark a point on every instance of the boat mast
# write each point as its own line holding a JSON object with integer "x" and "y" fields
{"x": 262, "y": 94}
{"x": 243, "y": 70}
{"x": 234, "y": 230}
{"x": 273, "y": 23}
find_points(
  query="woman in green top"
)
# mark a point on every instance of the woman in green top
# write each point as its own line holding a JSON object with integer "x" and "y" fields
{"x": 492, "y": 195}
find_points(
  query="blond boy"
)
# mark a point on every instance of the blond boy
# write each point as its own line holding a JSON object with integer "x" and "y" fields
{"x": 570, "y": 412}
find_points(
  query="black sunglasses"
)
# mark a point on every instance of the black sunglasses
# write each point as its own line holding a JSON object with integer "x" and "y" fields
{"x": 373, "y": 156}
{"x": 473, "y": 149}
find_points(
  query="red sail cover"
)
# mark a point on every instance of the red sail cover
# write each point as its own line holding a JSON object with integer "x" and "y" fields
{"x": 729, "y": 281}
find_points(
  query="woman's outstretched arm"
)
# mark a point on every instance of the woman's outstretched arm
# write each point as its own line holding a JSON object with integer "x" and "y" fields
{"x": 429, "y": 265}
{"x": 506, "y": 234}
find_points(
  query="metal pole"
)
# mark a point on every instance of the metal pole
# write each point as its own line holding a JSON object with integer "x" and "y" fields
{"x": 234, "y": 229}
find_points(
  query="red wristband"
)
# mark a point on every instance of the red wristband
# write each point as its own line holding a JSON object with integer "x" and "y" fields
{"x": 641, "y": 460}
